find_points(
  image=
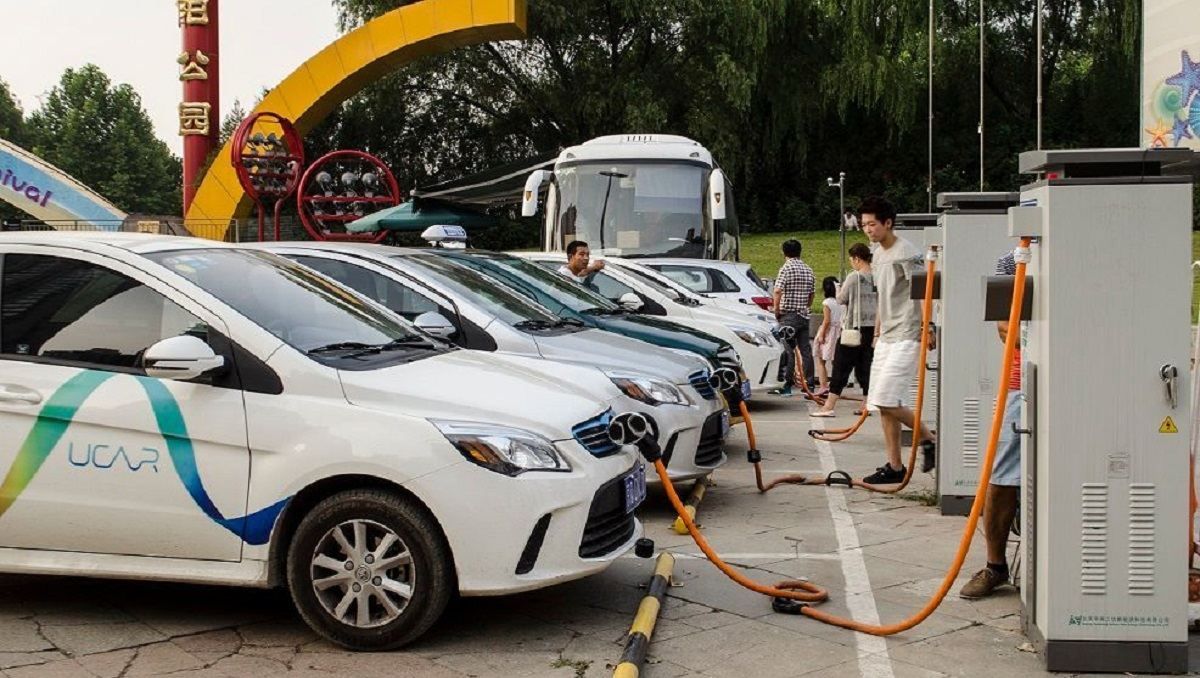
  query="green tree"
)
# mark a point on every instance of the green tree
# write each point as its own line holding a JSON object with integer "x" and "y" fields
{"x": 784, "y": 92}
{"x": 12, "y": 120}
{"x": 100, "y": 134}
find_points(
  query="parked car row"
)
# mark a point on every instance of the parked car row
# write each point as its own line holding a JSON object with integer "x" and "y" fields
{"x": 373, "y": 428}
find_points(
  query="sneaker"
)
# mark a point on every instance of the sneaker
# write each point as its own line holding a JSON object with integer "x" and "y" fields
{"x": 983, "y": 584}
{"x": 928, "y": 455}
{"x": 783, "y": 392}
{"x": 885, "y": 475}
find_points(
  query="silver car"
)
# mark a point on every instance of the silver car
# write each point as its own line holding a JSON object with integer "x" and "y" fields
{"x": 455, "y": 302}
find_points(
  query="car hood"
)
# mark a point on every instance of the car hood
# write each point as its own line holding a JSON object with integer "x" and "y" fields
{"x": 610, "y": 350}
{"x": 542, "y": 396}
{"x": 662, "y": 332}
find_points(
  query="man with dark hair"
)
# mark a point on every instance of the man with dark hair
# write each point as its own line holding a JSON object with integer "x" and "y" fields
{"x": 897, "y": 337}
{"x": 579, "y": 264}
{"x": 793, "y": 295}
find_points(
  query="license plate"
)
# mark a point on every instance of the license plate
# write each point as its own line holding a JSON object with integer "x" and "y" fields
{"x": 745, "y": 389}
{"x": 635, "y": 488}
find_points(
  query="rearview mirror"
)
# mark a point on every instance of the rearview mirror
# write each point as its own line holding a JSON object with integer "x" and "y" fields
{"x": 435, "y": 324}
{"x": 181, "y": 358}
{"x": 533, "y": 188}
{"x": 630, "y": 301}
{"x": 716, "y": 195}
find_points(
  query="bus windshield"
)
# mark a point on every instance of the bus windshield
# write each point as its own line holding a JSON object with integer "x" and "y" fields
{"x": 634, "y": 209}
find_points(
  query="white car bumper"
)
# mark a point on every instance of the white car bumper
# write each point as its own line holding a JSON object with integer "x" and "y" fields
{"x": 761, "y": 364}
{"x": 492, "y": 521}
{"x": 692, "y": 438}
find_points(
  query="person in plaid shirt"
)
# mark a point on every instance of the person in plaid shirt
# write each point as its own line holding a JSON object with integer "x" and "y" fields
{"x": 793, "y": 295}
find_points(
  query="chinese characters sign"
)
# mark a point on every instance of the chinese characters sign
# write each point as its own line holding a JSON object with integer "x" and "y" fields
{"x": 199, "y": 109}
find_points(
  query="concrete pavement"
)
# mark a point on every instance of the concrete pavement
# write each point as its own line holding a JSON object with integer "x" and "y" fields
{"x": 879, "y": 556}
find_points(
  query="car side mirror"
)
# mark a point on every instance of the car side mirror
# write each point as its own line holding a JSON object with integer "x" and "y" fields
{"x": 435, "y": 324}
{"x": 631, "y": 301}
{"x": 181, "y": 358}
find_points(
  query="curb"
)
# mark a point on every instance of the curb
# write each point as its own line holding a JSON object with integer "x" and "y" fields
{"x": 638, "y": 641}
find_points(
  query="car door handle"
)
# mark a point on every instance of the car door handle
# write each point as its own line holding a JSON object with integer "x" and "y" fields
{"x": 17, "y": 394}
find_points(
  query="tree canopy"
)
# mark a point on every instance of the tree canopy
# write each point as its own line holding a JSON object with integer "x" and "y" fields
{"x": 99, "y": 133}
{"x": 784, "y": 92}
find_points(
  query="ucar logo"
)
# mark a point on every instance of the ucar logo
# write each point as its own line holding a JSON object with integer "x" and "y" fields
{"x": 105, "y": 456}
{"x": 55, "y": 417}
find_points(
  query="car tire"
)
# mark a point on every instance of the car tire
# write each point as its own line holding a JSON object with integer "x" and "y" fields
{"x": 351, "y": 588}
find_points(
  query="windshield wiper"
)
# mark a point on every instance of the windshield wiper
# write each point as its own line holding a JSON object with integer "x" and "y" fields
{"x": 569, "y": 322}
{"x": 536, "y": 324}
{"x": 340, "y": 346}
{"x": 605, "y": 311}
{"x": 360, "y": 349}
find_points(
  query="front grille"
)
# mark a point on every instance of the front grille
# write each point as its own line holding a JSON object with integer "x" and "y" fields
{"x": 608, "y": 525}
{"x": 711, "y": 450}
{"x": 593, "y": 435}
{"x": 699, "y": 381}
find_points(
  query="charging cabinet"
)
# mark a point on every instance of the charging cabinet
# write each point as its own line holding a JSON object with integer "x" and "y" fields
{"x": 1105, "y": 422}
{"x": 974, "y": 231}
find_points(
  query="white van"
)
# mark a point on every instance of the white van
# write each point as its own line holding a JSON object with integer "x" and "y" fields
{"x": 182, "y": 410}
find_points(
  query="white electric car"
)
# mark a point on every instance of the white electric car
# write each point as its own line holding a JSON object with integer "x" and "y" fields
{"x": 450, "y": 300}
{"x": 721, "y": 279}
{"x": 179, "y": 409}
{"x": 758, "y": 349}
{"x": 686, "y": 297}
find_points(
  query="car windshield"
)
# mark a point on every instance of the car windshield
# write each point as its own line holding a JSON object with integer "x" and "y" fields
{"x": 496, "y": 300}
{"x": 635, "y": 208}
{"x": 299, "y": 306}
{"x": 550, "y": 289}
{"x": 653, "y": 283}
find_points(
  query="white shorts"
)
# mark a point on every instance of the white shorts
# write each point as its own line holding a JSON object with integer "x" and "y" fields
{"x": 892, "y": 373}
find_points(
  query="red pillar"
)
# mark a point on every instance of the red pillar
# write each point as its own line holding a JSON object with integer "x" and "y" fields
{"x": 199, "y": 22}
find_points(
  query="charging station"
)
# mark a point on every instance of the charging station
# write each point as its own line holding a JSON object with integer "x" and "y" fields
{"x": 1105, "y": 419}
{"x": 974, "y": 230}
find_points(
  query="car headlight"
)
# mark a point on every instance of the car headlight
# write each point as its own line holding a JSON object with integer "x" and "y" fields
{"x": 752, "y": 336}
{"x": 511, "y": 451}
{"x": 648, "y": 390}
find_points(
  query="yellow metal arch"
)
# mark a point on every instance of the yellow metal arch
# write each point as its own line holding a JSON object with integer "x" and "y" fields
{"x": 348, "y": 65}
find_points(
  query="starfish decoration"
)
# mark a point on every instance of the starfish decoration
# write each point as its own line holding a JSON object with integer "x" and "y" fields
{"x": 1181, "y": 130}
{"x": 1188, "y": 78}
{"x": 1158, "y": 134}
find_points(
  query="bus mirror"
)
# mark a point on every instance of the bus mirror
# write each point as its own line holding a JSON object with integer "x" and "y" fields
{"x": 716, "y": 195}
{"x": 533, "y": 188}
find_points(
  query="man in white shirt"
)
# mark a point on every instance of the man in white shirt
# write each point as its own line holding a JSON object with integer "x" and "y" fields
{"x": 579, "y": 264}
{"x": 897, "y": 337}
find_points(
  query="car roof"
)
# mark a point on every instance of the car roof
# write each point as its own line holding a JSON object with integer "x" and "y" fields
{"x": 139, "y": 243}
{"x": 359, "y": 248}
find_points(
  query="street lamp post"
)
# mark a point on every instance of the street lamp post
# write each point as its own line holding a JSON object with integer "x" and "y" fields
{"x": 841, "y": 186}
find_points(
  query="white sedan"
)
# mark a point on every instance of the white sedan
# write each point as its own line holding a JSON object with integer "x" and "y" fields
{"x": 733, "y": 280}
{"x": 178, "y": 409}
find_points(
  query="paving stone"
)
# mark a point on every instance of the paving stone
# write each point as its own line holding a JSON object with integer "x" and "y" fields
{"x": 751, "y": 648}
{"x": 79, "y": 640}
{"x": 400, "y": 664}
{"x": 245, "y": 665}
{"x": 289, "y": 632}
{"x": 225, "y": 641}
{"x": 874, "y": 665}
{"x": 9, "y": 660}
{"x": 109, "y": 664}
{"x": 21, "y": 635}
{"x": 63, "y": 668}
{"x": 990, "y": 650}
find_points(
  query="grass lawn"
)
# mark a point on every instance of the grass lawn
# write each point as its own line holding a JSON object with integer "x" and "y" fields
{"x": 822, "y": 251}
{"x": 822, "y": 248}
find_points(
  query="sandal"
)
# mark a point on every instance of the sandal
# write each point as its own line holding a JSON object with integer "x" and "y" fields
{"x": 822, "y": 413}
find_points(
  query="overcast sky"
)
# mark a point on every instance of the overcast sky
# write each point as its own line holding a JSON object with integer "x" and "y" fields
{"x": 137, "y": 41}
